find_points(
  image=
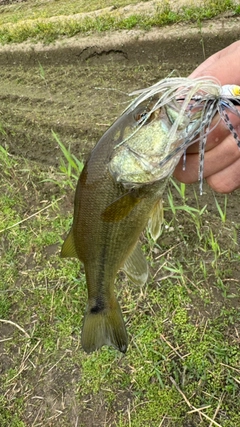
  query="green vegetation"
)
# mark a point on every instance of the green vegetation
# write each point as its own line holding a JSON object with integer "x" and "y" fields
{"x": 70, "y": 166}
{"x": 48, "y": 21}
{"x": 182, "y": 365}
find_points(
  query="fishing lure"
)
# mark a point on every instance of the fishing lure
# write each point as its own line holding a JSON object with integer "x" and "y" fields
{"x": 198, "y": 100}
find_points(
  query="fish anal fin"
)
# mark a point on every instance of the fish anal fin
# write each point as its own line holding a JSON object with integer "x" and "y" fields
{"x": 104, "y": 326}
{"x": 136, "y": 266}
{"x": 156, "y": 219}
{"x": 120, "y": 208}
{"x": 68, "y": 248}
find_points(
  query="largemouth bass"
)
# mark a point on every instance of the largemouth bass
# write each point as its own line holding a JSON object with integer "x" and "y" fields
{"x": 118, "y": 194}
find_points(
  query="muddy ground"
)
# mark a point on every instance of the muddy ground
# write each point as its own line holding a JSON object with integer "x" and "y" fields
{"x": 77, "y": 88}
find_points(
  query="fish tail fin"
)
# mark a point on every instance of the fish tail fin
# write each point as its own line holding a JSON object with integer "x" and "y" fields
{"x": 104, "y": 326}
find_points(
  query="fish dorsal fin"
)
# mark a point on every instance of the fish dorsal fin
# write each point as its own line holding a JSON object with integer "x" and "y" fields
{"x": 68, "y": 248}
{"x": 136, "y": 266}
{"x": 156, "y": 219}
{"x": 120, "y": 208}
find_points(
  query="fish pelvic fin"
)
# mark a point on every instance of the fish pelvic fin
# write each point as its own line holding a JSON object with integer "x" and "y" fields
{"x": 136, "y": 266}
{"x": 68, "y": 248}
{"x": 104, "y": 326}
{"x": 156, "y": 219}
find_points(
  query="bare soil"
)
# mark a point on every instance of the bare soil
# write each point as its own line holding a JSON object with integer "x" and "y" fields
{"x": 78, "y": 87}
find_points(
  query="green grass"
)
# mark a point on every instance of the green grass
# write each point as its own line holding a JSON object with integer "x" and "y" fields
{"x": 31, "y": 21}
{"x": 70, "y": 166}
{"x": 46, "y": 9}
{"x": 183, "y": 354}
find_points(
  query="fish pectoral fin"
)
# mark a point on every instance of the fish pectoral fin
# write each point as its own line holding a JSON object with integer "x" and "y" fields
{"x": 156, "y": 219}
{"x": 104, "y": 326}
{"x": 136, "y": 266}
{"x": 120, "y": 208}
{"x": 68, "y": 248}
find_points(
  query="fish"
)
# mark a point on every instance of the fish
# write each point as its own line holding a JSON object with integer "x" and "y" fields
{"x": 119, "y": 193}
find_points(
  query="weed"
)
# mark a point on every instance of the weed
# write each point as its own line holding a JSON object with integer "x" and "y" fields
{"x": 180, "y": 187}
{"x": 3, "y": 132}
{"x": 222, "y": 212}
{"x": 70, "y": 166}
{"x": 5, "y": 158}
{"x": 195, "y": 214}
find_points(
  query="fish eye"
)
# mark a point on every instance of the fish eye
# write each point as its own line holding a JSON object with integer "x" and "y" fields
{"x": 142, "y": 117}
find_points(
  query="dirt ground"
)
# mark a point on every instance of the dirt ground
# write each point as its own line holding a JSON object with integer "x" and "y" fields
{"x": 78, "y": 87}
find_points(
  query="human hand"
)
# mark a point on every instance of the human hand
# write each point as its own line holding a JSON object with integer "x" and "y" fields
{"x": 222, "y": 155}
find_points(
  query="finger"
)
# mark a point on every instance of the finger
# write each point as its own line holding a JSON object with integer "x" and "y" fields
{"x": 218, "y": 132}
{"x": 215, "y": 160}
{"x": 227, "y": 180}
{"x": 218, "y": 65}
{"x": 215, "y": 57}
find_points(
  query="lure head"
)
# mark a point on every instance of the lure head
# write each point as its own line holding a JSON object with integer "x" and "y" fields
{"x": 236, "y": 90}
{"x": 230, "y": 91}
